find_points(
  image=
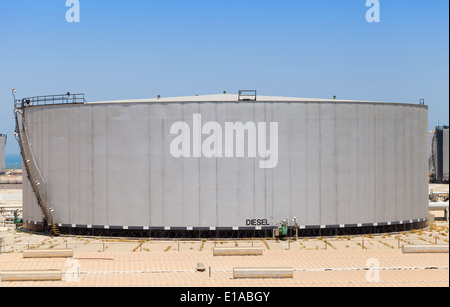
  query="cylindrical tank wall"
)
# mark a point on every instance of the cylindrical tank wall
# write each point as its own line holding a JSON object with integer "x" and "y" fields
{"x": 445, "y": 155}
{"x": 340, "y": 163}
{"x": 432, "y": 152}
{"x": 439, "y": 154}
{"x": 2, "y": 153}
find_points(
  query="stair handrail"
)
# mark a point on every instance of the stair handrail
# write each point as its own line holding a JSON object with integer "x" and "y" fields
{"x": 36, "y": 167}
{"x": 34, "y": 183}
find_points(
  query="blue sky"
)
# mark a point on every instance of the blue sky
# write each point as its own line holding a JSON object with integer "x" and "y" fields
{"x": 304, "y": 48}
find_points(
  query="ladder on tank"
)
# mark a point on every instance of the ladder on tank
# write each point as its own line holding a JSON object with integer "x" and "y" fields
{"x": 27, "y": 156}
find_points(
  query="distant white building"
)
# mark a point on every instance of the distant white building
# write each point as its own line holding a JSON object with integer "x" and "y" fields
{"x": 2, "y": 153}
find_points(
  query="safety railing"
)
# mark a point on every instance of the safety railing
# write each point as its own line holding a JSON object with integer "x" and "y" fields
{"x": 34, "y": 175}
{"x": 67, "y": 98}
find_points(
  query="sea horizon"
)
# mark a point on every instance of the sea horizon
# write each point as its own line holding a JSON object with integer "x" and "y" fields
{"x": 13, "y": 161}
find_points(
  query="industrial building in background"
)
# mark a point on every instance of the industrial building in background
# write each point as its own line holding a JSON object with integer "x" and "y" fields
{"x": 222, "y": 165}
{"x": 438, "y": 161}
{"x": 3, "y": 138}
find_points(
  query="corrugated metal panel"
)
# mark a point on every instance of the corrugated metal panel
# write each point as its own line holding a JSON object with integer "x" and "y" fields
{"x": 338, "y": 163}
{"x": 2, "y": 154}
{"x": 432, "y": 151}
{"x": 445, "y": 155}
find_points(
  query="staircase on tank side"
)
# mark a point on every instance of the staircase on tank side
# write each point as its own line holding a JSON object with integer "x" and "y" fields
{"x": 27, "y": 159}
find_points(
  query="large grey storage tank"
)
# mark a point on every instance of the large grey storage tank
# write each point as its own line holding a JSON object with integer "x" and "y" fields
{"x": 2, "y": 153}
{"x": 445, "y": 155}
{"x": 219, "y": 166}
{"x": 432, "y": 149}
{"x": 438, "y": 141}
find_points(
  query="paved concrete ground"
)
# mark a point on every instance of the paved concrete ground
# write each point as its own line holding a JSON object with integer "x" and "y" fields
{"x": 441, "y": 188}
{"x": 12, "y": 177}
{"x": 11, "y": 195}
{"x": 177, "y": 269}
{"x": 373, "y": 260}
